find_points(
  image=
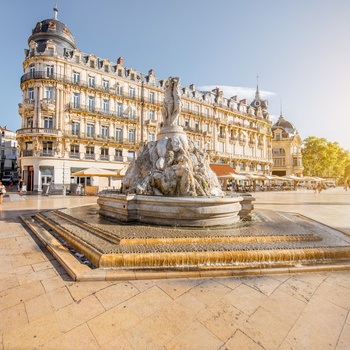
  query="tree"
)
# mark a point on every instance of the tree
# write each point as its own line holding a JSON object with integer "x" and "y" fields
{"x": 323, "y": 158}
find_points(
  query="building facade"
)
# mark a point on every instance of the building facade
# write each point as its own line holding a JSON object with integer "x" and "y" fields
{"x": 286, "y": 149}
{"x": 80, "y": 111}
{"x": 8, "y": 151}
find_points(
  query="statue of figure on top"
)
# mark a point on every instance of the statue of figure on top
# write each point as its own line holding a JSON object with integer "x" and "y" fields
{"x": 172, "y": 102}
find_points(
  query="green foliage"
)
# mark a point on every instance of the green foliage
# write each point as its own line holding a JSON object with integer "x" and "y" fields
{"x": 323, "y": 158}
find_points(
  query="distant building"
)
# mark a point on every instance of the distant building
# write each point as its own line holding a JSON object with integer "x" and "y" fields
{"x": 80, "y": 111}
{"x": 286, "y": 149}
{"x": 8, "y": 150}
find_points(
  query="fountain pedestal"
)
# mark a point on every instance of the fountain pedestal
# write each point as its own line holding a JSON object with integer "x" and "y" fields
{"x": 171, "y": 211}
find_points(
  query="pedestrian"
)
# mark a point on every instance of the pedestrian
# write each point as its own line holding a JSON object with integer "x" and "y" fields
{"x": 2, "y": 191}
{"x": 11, "y": 185}
{"x": 20, "y": 184}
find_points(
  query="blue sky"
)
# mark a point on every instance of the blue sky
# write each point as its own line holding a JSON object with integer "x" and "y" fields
{"x": 300, "y": 49}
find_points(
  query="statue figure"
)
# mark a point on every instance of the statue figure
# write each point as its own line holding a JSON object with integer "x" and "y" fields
{"x": 172, "y": 102}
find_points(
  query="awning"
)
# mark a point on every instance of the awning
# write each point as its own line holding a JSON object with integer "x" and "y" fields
{"x": 223, "y": 171}
{"x": 96, "y": 172}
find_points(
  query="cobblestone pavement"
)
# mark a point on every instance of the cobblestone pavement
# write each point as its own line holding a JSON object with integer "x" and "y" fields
{"x": 42, "y": 308}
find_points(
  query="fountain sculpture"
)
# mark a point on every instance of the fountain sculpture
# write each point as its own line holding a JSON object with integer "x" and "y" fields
{"x": 170, "y": 182}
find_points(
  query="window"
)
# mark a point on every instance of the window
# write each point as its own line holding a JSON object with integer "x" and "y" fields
{"x": 233, "y": 151}
{"x": 76, "y": 78}
{"x": 48, "y": 122}
{"x": 29, "y": 149}
{"x": 151, "y": 137}
{"x": 92, "y": 82}
{"x": 104, "y": 153}
{"x": 187, "y": 107}
{"x": 105, "y": 85}
{"x": 197, "y": 110}
{"x": 207, "y": 112}
{"x": 75, "y": 128}
{"x": 49, "y": 71}
{"x": 105, "y": 105}
{"x": 90, "y": 129}
{"x": 49, "y": 92}
{"x": 151, "y": 115}
{"x": 119, "y": 154}
{"x": 151, "y": 97}
{"x": 132, "y": 113}
{"x": 47, "y": 148}
{"x": 74, "y": 151}
{"x": 76, "y": 100}
{"x": 119, "y": 90}
{"x": 90, "y": 152}
{"x": 77, "y": 59}
{"x": 29, "y": 122}
{"x": 187, "y": 123}
{"x": 31, "y": 94}
{"x": 118, "y": 134}
{"x": 91, "y": 103}
{"x": 131, "y": 135}
{"x": 132, "y": 92}
{"x": 278, "y": 137}
{"x": 120, "y": 109}
{"x": 196, "y": 126}
{"x": 104, "y": 131}
{"x": 120, "y": 73}
{"x": 207, "y": 127}
{"x": 106, "y": 68}
{"x": 221, "y": 146}
{"x": 131, "y": 156}
{"x": 92, "y": 63}
{"x": 32, "y": 72}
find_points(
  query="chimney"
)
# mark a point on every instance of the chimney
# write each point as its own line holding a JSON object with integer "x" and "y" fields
{"x": 244, "y": 101}
{"x": 192, "y": 87}
{"x": 120, "y": 61}
{"x": 151, "y": 72}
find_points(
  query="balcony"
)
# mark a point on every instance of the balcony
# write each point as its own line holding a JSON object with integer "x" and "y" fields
{"x": 104, "y": 157}
{"x": 90, "y": 156}
{"x": 39, "y": 131}
{"x": 118, "y": 158}
{"x": 29, "y": 103}
{"x": 48, "y": 104}
{"x": 72, "y": 107}
{"x": 74, "y": 155}
{"x": 47, "y": 154}
{"x": 27, "y": 153}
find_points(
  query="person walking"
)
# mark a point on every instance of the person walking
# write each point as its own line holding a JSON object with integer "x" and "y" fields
{"x": 20, "y": 184}
{"x": 2, "y": 191}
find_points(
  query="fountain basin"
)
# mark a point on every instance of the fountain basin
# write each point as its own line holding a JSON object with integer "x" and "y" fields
{"x": 171, "y": 211}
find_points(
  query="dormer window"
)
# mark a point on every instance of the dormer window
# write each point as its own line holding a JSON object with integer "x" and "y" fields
{"x": 278, "y": 136}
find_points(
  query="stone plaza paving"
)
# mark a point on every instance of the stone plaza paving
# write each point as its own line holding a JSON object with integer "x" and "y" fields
{"x": 41, "y": 307}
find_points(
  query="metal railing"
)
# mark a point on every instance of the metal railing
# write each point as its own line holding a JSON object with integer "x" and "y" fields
{"x": 93, "y": 110}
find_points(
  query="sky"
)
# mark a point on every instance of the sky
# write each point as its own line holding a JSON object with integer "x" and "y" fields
{"x": 299, "y": 49}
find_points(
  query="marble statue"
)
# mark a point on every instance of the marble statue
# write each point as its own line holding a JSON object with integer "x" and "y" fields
{"x": 173, "y": 165}
{"x": 172, "y": 102}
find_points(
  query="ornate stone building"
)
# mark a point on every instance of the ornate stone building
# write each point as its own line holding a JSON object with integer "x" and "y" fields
{"x": 80, "y": 111}
{"x": 8, "y": 151}
{"x": 286, "y": 149}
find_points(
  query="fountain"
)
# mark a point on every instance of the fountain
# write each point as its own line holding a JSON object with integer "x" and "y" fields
{"x": 173, "y": 220}
{"x": 170, "y": 182}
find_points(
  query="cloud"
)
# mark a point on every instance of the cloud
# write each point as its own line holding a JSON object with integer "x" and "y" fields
{"x": 241, "y": 92}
